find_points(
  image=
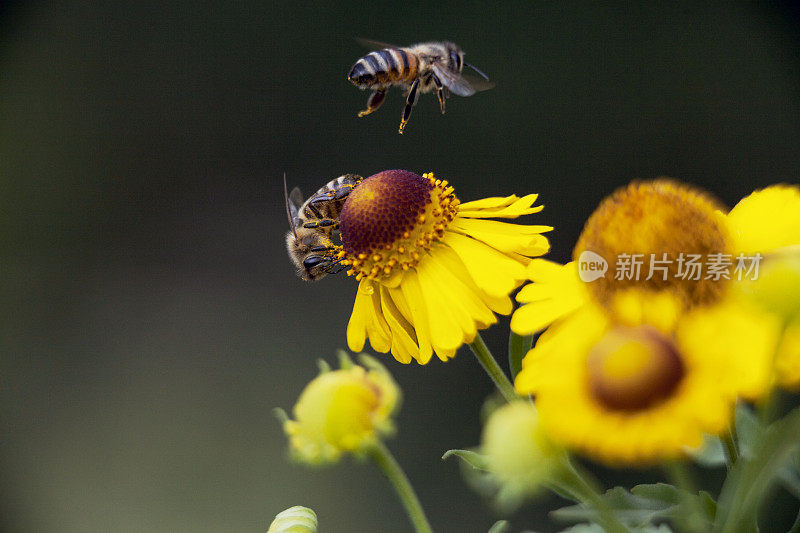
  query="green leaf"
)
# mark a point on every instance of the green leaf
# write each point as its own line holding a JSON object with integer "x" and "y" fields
{"x": 474, "y": 459}
{"x": 518, "y": 346}
{"x": 642, "y": 506}
{"x": 280, "y": 414}
{"x": 661, "y": 492}
{"x": 751, "y": 478}
{"x": 584, "y": 528}
{"x": 594, "y": 528}
{"x": 708, "y": 505}
{"x": 499, "y": 527}
{"x": 629, "y": 508}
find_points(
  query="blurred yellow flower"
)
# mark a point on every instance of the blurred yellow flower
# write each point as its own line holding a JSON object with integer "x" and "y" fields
{"x": 342, "y": 411}
{"x": 643, "y": 387}
{"x": 520, "y": 457}
{"x": 432, "y": 271}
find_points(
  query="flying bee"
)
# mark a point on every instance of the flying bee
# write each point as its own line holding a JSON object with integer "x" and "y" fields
{"x": 312, "y": 223}
{"x": 421, "y": 68}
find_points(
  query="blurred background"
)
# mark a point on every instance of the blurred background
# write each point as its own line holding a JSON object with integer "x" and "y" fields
{"x": 150, "y": 317}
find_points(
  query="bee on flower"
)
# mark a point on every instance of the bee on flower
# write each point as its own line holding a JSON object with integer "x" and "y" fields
{"x": 432, "y": 270}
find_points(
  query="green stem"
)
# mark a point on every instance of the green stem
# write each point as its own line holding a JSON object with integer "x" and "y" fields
{"x": 582, "y": 487}
{"x": 382, "y": 457}
{"x": 749, "y": 481}
{"x": 518, "y": 346}
{"x": 729, "y": 440}
{"x": 489, "y": 364}
{"x": 796, "y": 525}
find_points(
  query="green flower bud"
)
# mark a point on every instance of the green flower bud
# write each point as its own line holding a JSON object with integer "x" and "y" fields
{"x": 295, "y": 519}
{"x": 342, "y": 411}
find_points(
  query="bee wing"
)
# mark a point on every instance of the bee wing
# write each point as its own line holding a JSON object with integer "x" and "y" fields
{"x": 455, "y": 82}
{"x": 292, "y": 205}
{"x": 479, "y": 84}
{"x": 375, "y": 45}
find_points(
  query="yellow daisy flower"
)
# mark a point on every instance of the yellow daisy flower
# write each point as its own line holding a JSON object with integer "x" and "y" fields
{"x": 643, "y": 388}
{"x": 432, "y": 271}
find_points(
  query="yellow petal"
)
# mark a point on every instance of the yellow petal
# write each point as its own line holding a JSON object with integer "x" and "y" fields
{"x": 419, "y": 314}
{"x": 491, "y": 202}
{"x": 737, "y": 340}
{"x": 536, "y": 316}
{"x": 455, "y": 265}
{"x": 557, "y": 291}
{"x": 468, "y": 297}
{"x": 504, "y": 237}
{"x": 513, "y": 207}
{"x": 766, "y": 220}
{"x": 369, "y": 320}
{"x": 449, "y": 322}
{"x": 357, "y": 326}
{"x": 787, "y": 363}
{"x": 494, "y": 272}
{"x": 404, "y": 344}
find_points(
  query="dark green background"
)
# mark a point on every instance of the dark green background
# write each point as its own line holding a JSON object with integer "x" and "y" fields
{"x": 150, "y": 319}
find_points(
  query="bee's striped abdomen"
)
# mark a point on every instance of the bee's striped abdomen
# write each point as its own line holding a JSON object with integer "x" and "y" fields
{"x": 384, "y": 67}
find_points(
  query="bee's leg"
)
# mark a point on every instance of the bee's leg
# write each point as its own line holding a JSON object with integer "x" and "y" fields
{"x": 439, "y": 91}
{"x": 322, "y": 223}
{"x": 374, "y": 102}
{"x": 410, "y": 101}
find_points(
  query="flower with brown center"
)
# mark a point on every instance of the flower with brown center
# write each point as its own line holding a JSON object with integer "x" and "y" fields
{"x": 432, "y": 271}
{"x": 645, "y": 390}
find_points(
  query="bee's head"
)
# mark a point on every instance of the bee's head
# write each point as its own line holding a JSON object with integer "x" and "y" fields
{"x": 311, "y": 254}
{"x": 455, "y": 56}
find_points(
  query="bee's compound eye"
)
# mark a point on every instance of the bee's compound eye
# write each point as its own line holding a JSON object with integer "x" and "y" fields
{"x": 312, "y": 260}
{"x": 455, "y": 60}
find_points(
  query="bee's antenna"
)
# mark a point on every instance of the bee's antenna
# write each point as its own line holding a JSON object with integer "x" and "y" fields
{"x": 288, "y": 213}
{"x": 484, "y": 76}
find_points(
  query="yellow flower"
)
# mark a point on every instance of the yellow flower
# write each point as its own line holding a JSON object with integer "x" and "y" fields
{"x": 342, "y": 411}
{"x": 641, "y": 389}
{"x": 431, "y": 270}
{"x": 519, "y": 455}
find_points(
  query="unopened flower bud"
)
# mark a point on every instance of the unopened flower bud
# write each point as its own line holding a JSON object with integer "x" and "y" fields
{"x": 342, "y": 411}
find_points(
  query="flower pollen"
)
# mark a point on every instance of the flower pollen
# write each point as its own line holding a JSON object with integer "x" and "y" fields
{"x": 633, "y": 369}
{"x": 390, "y": 219}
